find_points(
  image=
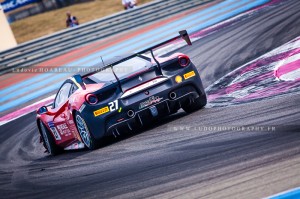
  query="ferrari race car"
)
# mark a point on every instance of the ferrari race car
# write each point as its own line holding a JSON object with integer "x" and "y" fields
{"x": 123, "y": 96}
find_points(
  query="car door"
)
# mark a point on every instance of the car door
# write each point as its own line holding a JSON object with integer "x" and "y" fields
{"x": 62, "y": 114}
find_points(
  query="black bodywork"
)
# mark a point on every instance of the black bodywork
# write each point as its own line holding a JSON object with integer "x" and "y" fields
{"x": 157, "y": 101}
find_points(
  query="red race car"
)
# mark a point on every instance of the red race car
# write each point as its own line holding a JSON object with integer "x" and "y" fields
{"x": 121, "y": 97}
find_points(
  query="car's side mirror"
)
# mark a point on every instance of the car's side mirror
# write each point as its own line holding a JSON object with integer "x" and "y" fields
{"x": 42, "y": 110}
{"x": 184, "y": 35}
{"x": 79, "y": 81}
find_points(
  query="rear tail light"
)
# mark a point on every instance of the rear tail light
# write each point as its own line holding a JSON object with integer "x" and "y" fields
{"x": 183, "y": 60}
{"x": 91, "y": 99}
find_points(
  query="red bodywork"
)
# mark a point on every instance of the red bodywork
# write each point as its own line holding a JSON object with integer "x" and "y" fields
{"x": 62, "y": 119}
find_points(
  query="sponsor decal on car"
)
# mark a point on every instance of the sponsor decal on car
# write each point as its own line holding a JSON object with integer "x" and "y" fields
{"x": 101, "y": 111}
{"x": 189, "y": 75}
{"x": 54, "y": 131}
{"x": 150, "y": 101}
{"x": 63, "y": 129}
{"x": 112, "y": 106}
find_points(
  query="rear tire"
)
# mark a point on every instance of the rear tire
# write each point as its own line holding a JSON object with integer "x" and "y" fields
{"x": 83, "y": 130}
{"x": 48, "y": 140}
{"x": 194, "y": 106}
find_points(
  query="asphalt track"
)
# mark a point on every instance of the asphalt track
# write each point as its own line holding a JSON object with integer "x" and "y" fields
{"x": 181, "y": 157}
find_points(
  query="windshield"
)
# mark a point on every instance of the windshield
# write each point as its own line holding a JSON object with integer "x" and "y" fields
{"x": 122, "y": 70}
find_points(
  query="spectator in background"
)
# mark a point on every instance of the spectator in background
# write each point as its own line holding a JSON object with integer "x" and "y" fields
{"x": 128, "y": 4}
{"x": 71, "y": 21}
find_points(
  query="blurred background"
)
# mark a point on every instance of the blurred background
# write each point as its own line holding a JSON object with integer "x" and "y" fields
{"x": 31, "y": 19}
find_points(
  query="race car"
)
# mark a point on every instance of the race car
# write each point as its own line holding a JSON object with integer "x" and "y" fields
{"x": 122, "y": 97}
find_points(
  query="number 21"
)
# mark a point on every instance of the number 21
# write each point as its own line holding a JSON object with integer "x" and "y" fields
{"x": 113, "y": 105}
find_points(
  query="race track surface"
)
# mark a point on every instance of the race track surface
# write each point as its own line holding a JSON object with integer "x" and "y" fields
{"x": 201, "y": 155}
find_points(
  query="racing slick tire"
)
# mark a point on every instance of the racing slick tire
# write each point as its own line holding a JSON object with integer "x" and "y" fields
{"x": 89, "y": 141}
{"x": 195, "y": 105}
{"x": 48, "y": 140}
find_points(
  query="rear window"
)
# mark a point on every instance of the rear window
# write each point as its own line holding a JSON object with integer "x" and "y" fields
{"x": 122, "y": 70}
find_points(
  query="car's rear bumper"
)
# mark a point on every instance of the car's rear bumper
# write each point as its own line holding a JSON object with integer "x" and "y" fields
{"x": 145, "y": 116}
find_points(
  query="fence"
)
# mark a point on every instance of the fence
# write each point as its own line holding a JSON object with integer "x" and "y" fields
{"x": 36, "y": 51}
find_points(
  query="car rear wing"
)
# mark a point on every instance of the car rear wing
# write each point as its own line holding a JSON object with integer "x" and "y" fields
{"x": 182, "y": 34}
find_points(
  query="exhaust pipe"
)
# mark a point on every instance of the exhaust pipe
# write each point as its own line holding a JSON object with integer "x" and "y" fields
{"x": 172, "y": 95}
{"x": 130, "y": 113}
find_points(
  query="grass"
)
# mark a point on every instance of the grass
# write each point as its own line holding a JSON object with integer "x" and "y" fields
{"x": 49, "y": 22}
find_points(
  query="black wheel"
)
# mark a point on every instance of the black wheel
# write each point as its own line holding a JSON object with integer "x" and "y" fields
{"x": 87, "y": 138}
{"x": 194, "y": 105}
{"x": 48, "y": 140}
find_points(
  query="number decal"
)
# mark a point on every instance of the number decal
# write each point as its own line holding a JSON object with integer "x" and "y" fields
{"x": 113, "y": 105}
